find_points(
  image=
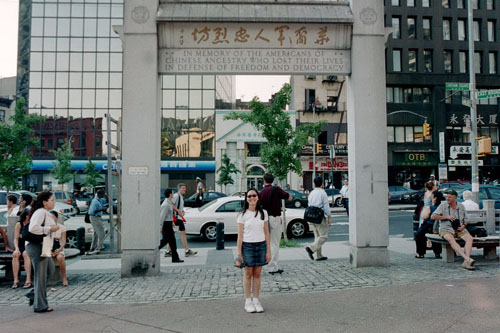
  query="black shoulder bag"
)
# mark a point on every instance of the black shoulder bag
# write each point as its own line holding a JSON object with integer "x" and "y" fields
{"x": 314, "y": 215}
{"x": 30, "y": 237}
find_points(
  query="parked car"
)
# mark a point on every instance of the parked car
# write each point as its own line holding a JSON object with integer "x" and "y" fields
{"x": 207, "y": 197}
{"x": 72, "y": 224}
{"x": 486, "y": 192}
{"x": 66, "y": 197}
{"x": 202, "y": 221}
{"x": 299, "y": 199}
{"x": 83, "y": 200}
{"x": 402, "y": 194}
{"x": 59, "y": 207}
{"x": 337, "y": 197}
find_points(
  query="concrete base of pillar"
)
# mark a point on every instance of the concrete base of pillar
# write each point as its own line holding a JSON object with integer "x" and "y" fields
{"x": 369, "y": 256}
{"x": 140, "y": 263}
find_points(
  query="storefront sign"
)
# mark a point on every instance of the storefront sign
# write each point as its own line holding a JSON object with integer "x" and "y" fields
{"x": 463, "y": 162}
{"x": 415, "y": 159}
{"x": 324, "y": 164}
{"x": 325, "y": 149}
{"x": 456, "y": 150}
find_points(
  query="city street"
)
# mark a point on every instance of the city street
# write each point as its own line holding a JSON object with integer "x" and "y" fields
{"x": 400, "y": 224}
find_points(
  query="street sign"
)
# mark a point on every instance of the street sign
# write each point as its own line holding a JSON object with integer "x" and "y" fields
{"x": 442, "y": 171}
{"x": 488, "y": 93}
{"x": 331, "y": 149}
{"x": 456, "y": 86}
{"x": 466, "y": 101}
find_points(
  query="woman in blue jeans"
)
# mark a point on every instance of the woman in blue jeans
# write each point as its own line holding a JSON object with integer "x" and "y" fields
{"x": 426, "y": 227}
{"x": 254, "y": 248}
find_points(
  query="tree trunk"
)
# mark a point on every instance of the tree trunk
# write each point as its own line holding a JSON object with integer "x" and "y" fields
{"x": 283, "y": 213}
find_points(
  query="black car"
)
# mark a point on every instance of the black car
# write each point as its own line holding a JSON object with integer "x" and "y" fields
{"x": 207, "y": 197}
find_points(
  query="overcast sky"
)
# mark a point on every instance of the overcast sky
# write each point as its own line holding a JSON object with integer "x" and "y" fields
{"x": 246, "y": 86}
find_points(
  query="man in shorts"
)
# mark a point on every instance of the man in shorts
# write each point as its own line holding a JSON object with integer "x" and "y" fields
{"x": 453, "y": 219}
{"x": 178, "y": 203}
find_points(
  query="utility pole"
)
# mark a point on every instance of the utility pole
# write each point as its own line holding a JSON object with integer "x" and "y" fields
{"x": 314, "y": 144}
{"x": 473, "y": 110}
{"x": 109, "y": 185}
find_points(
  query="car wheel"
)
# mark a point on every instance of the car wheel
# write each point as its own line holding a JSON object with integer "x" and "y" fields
{"x": 71, "y": 241}
{"x": 209, "y": 232}
{"x": 338, "y": 202}
{"x": 77, "y": 211}
{"x": 297, "y": 229}
{"x": 297, "y": 204}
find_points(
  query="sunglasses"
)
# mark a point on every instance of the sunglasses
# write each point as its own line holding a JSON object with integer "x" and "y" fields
{"x": 252, "y": 196}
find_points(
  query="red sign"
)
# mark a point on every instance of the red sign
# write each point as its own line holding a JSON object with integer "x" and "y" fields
{"x": 339, "y": 164}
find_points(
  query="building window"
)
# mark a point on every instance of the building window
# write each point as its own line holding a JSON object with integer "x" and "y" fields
{"x": 253, "y": 149}
{"x": 475, "y": 4}
{"x": 492, "y": 62}
{"x": 2, "y": 115}
{"x": 396, "y": 60}
{"x": 410, "y": 3}
{"x": 491, "y": 31}
{"x": 395, "y": 3}
{"x": 412, "y": 61}
{"x": 447, "y": 61}
{"x": 446, "y": 29}
{"x": 389, "y": 96}
{"x": 408, "y": 95}
{"x": 461, "y": 4}
{"x": 490, "y": 4}
{"x": 477, "y": 30}
{"x": 462, "y": 57}
{"x": 399, "y": 134}
{"x": 426, "y": 26}
{"x": 412, "y": 29}
{"x": 426, "y": 3}
{"x": 456, "y": 134}
{"x": 396, "y": 28}
{"x": 478, "y": 68}
{"x": 428, "y": 61}
{"x": 462, "y": 30}
{"x": 390, "y": 133}
{"x": 446, "y": 3}
{"x": 310, "y": 99}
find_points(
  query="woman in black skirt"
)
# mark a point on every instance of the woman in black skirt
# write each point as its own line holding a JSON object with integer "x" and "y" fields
{"x": 254, "y": 249}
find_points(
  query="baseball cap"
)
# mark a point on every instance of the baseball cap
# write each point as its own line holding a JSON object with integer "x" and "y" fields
{"x": 452, "y": 192}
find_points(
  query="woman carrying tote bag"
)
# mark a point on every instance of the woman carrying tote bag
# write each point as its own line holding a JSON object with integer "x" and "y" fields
{"x": 41, "y": 223}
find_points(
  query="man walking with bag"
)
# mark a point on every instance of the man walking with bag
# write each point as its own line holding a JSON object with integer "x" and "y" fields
{"x": 270, "y": 198}
{"x": 96, "y": 209}
{"x": 319, "y": 198}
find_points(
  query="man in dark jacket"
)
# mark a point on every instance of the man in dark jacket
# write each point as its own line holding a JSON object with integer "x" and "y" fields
{"x": 270, "y": 198}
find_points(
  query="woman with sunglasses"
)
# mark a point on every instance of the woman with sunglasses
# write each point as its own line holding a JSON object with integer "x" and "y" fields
{"x": 254, "y": 249}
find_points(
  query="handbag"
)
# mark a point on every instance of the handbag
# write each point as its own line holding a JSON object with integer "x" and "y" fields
{"x": 314, "y": 215}
{"x": 47, "y": 244}
{"x": 31, "y": 237}
{"x": 87, "y": 218}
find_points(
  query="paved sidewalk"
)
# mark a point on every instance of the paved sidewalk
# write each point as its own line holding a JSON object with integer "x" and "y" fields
{"x": 98, "y": 281}
{"x": 439, "y": 306}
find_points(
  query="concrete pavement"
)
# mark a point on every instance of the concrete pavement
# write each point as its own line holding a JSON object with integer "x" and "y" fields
{"x": 443, "y": 306}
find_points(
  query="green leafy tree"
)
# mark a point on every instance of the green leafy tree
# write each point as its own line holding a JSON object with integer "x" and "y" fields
{"x": 61, "y": 168}
{"x": 283, "y": 142}
{"x": 16, "y": 140}
{"x": 92, "y": 176}
{"x": 225, "y": 170}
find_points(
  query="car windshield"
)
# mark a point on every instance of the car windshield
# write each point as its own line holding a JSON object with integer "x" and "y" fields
{"x": 208, "y": 204}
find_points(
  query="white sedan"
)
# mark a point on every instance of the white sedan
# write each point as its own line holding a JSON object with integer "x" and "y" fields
{"x": 202, "y": 221}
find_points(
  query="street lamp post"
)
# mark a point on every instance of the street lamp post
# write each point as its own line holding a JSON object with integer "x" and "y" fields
{"x": 473, "y": 110}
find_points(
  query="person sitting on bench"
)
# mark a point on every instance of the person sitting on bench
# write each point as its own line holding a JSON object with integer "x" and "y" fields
{"x": 452, "y": 217}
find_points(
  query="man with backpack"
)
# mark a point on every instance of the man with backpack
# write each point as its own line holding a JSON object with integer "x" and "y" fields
{"x": 270, "y": 198}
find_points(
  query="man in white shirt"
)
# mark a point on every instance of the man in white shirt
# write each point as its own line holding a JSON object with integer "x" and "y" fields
{"x": 12, "y": 207}
{"x": 468, "y": 203}
{"x": 319, "y": 198}
{"x": 344, "y": 191}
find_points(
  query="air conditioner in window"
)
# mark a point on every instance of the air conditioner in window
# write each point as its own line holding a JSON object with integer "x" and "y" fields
{"x": 310, "y": 77}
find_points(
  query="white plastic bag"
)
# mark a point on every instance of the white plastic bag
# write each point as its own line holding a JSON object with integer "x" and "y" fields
{"x": 47, "y": 244}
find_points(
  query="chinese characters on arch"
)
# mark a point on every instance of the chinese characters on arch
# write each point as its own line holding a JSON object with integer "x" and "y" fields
{"x": 259, "y": 48}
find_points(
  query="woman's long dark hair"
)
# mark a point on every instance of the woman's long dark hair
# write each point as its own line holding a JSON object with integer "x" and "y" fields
{"x": 438, "y": 196}
{"x": 43, "y": 196}
{"x": 258, "y": 208}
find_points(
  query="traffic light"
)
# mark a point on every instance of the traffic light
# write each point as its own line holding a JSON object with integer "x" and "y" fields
{"x": 427, "y": 129}
{"x": 318, "y": 148}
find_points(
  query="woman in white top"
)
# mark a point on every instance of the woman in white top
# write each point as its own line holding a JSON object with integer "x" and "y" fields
{"x": 41, "y": 222}
{"x": 254, "y": 250}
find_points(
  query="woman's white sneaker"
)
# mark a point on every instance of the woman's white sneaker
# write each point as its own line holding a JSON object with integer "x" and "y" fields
{"x": 257, "y": 305}
{"x": 250, "y": 307}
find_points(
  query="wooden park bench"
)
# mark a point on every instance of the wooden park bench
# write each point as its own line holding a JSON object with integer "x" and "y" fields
{"x": 487, "y": 218}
